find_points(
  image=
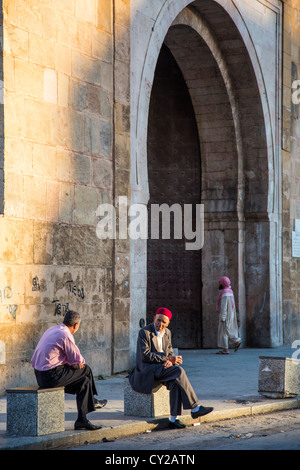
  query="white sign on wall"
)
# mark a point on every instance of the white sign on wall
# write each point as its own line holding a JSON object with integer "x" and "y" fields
{"x": 296, "y": 240}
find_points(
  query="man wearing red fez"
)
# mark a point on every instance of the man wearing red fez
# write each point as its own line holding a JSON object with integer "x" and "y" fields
{"x": 156, "y": 364}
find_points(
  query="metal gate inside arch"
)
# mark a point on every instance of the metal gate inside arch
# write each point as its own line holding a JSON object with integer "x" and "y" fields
{"x": 173, "y": 273}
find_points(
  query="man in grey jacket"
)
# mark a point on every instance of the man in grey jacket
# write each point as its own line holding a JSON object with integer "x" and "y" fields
{"x": 156, "y": 364}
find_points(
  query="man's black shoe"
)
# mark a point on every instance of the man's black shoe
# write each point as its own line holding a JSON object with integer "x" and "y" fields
{"x": 86, "y": 425}
{"x": 203, "y": 410}
{"x": 99, "y": 403}
{"x": 177, "y": 424}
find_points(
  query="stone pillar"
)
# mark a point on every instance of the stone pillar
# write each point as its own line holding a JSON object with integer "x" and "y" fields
{"x": 121, "y": 188}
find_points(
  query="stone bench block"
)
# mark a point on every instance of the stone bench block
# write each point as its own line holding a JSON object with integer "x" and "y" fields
{"x": 279, "y": 377}
{"x": 32, "y": 411}
{"x": 150, "y": 405}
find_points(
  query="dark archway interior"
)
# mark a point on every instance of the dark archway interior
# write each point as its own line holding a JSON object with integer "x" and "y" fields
{"x": 174, "y": 168}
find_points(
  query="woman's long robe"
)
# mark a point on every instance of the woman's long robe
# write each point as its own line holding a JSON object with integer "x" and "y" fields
{"x": 228, "y": 331}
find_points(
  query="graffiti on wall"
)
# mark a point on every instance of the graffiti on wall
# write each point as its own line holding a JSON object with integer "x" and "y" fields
{"x": 75, "y": 290}
{"x": 35, "y": 284}
{"x": 5, "y": 295}
{"x": 61, "y": 308}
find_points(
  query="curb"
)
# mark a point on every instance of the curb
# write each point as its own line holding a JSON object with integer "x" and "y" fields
{"x": 77, "y": 438}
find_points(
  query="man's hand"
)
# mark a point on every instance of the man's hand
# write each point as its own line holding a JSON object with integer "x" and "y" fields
{"x": 178, "y": 360}
{"x": 78, "y": 366}
{"x": 167, "y": 364}
{"x": 175, "y": 360}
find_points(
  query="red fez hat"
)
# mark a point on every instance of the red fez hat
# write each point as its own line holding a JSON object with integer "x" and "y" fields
{"x": 164, "y": 311}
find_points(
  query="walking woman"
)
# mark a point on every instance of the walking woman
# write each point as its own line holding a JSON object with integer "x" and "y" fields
{"x": 228, "y": 326}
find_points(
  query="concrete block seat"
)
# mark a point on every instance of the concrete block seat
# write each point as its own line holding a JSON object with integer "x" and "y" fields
{"x": 32, "y": 411}
{"x": 279, "y": 377}
{"x": 150, "y": 405}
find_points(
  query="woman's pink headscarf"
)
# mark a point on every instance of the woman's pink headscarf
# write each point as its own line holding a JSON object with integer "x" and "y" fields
{"x": 225, "y": 282}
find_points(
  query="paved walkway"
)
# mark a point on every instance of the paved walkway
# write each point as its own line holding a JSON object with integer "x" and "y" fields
{"x": 228, "y": 383}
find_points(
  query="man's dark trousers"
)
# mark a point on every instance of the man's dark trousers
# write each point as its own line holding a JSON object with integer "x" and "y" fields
{"x": 79, "y": 382}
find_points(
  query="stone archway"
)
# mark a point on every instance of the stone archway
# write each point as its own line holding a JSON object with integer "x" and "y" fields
{"x": 240, "y": 172}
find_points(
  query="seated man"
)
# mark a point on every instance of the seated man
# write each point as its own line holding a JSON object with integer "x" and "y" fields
{"x": 57, "y": 362}
{"x": 155, "y": 362}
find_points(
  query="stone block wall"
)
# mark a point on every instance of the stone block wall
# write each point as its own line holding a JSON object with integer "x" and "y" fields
{"x": 290, "y": 168}
{"x": 66, "y": 150}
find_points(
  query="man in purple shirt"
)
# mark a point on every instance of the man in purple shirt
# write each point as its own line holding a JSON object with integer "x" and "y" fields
{"x": 57, "y": 362}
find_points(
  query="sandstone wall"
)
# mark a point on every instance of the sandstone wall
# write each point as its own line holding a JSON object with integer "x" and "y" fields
{"x": 66, "y": 127}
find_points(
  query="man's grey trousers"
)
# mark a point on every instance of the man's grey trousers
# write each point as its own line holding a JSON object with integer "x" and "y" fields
{"x": 182, "y": 394}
